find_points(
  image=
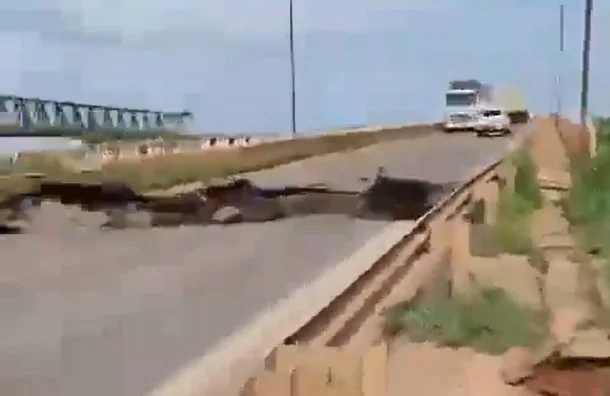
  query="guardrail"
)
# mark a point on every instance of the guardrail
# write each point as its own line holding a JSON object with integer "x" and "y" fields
{"x": 339, "y": 307}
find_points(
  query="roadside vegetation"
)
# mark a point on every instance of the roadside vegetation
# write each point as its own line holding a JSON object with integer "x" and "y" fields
{"x": 515, "y": 209}
{"x": 566, "y": 329}
{"x": 587, "y": 205}
{"x": 175, "y": 169}
{"x": 490, "y": 322}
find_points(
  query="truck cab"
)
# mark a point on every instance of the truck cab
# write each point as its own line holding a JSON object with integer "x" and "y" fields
{"x": 461, "y": 109}
{"x": 463, "y": 102}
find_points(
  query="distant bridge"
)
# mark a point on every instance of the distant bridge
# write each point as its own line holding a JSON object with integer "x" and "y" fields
{"x": 35, "y": 114}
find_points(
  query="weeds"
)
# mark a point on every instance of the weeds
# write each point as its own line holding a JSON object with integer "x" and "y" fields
{"x": 515, "y": 209}
{"x": 512, "y": 229}
{"x": 491, "y": 323}
{"x": 587, "y": 205}
{"x": 526, "y": 180}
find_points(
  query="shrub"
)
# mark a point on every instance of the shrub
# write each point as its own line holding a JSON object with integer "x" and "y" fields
{"x": 515, "y": 209}
{"x": 527, "y": 187}
{"x": 491, "y": 322}
{"x": 513, "y": 224}
{"x": 587, "y": 205}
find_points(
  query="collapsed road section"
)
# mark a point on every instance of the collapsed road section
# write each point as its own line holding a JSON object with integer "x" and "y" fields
{"x": 228, "y": 202}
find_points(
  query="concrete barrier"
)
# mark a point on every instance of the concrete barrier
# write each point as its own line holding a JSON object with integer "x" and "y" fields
{"x": 107, "y": 153}
{"x": 159, "y": 147}
{"x": 302, "y": 371}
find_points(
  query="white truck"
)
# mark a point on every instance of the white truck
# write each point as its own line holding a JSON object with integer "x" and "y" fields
{"x": 463, "y": 102}
{"x": 472, "y": 105}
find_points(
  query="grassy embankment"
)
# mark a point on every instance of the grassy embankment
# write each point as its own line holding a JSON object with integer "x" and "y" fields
{"x": 490, "y": 321}
{"x": 493, "y": 322}
{"x": 175, "y": 169}
{"x": 587, "y": 206}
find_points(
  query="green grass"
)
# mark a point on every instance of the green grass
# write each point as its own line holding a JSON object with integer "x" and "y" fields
{"x": 491, "y": 323}
{"x": 587, "y": 204}
{"x": 515, "y": 209}
{"x": 513, "y": 224}
{"x": 526, "y": 180}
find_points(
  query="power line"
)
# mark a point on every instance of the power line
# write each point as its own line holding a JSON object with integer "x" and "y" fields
{"x": 293, "y": 102}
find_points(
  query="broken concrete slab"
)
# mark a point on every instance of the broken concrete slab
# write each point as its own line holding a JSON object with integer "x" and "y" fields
{"x": 227, "y": 214}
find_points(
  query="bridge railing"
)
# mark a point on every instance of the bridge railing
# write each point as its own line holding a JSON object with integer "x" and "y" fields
{"x": 32, "y": 114}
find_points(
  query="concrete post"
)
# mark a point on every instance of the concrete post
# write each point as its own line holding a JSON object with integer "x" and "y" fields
{"x": 506, "y": 174}
{"x": 490, "y": 193}
{"x": 460, "y": 255}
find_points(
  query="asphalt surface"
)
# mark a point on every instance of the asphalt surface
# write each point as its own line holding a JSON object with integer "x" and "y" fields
{"x": 86, "y": 312}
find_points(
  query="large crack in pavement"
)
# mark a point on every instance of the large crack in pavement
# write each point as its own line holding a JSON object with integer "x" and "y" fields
{"x": 228, "y": 201}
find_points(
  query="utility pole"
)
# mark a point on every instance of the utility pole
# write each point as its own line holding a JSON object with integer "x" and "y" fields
{"x": 293, "y": 102}
{"x": 584, "y": 93}
{"x": 561, "y": 56}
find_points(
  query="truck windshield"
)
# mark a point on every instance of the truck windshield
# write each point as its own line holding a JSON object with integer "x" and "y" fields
{"x": 460, "y": 99}
{"x": 492, "y": 113}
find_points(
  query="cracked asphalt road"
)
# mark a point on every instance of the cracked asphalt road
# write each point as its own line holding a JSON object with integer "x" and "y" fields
{"x": 94, "y": 313}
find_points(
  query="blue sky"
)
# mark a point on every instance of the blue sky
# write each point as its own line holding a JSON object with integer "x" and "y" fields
{"x": 358, "y": 61}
